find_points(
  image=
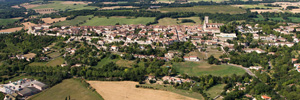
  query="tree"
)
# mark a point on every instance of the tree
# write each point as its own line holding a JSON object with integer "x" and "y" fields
{"x": 211, "y": 59}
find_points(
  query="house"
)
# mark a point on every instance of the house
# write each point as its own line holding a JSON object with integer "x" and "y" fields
{"x": 258, "y": 50}
{"x": 265, "y": 97}
{"x": 191, "y": 58}
{"x": 114, "y": 48}
{"x": 255, "y": 67}
{"x": 294, "y": 60}
{"x": 28, "y": 91}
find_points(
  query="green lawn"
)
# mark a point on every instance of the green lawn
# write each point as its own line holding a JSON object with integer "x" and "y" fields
{"x": 177, "y": 91}
{"x": 260, "y": 17}
{"x": 57, "y": 61}
{"x": 69, "y": 87}
{"x": 76, "y": 21}
{"x": 203, "y": 68}
{"x": 295, "y": 19}
{"x": 54, "y": 54}
{"x": 7, "y": 21}
{"x": 215, "y": 90}
{"x": 257, "y": 6}
{"x": 206, "y": 9}
{"x": 57, "y": 5}
{"x": 173, "y": 21}
{"x": 97, "y": 21}
{"x": 119, "y": 62}
{"x": 277, "y": 19}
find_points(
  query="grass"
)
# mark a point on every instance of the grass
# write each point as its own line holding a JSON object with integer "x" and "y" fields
{"x": 209, "y": 51}
{"x": 215, "y": 90}
{"x": 55, "y": 62}
{"x": 173, "y": 21}
{"x": 260, "y": 17}
{"x": 69, "y": 87}
{"x": 277, "y": 19}
{"x": 256, "y": 6}
{"x": 7, "y": 21}
{"x": 20, "y": 77}
{"x": 203, "y": 68}
{"x": 97, "y": 21}
{"x": 54, "y": 54}
{"x": 57, "y": 5}
{"x": 295, "y": 19}
{"x": 119, "y": 62}
{"x": 74, "y": 22}
{"x": 177, "y": 91}
{"x": 206, "y": 9}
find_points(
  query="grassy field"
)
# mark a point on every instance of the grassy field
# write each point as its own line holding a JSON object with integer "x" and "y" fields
{"x": 255, "y": 6}
{"x": 57, "y": 61}
{"x": 7, "y": 21}
{"x": 277, "y": 19}
{"x": 173, "y": 21}
{"x": 69, "y": 87}
{"x": 260, "y": 17}
{"x": 203, "y": 68}
{"x": 58, "y": 5}
{"x": 215, "y": 90}
{"x": 75, "y": 21}
{"x": 177, "y": 91}
{"x": 54, "y": 54}
{"x": 204, "y": 55}
{"x": 96, "y": 21}
{"x": 206, "y": 9}
{"x": 295, "y": 19}
{"x": 119, "y": 62}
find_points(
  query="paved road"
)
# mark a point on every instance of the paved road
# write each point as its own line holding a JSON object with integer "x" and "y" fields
{"x": 246, "y": 69}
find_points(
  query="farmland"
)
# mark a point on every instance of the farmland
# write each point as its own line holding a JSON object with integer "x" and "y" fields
{"x": 295, "y": 19}
{"x": 69, "y": 87}
{"x": 96, "y": 21}
{"x": 7, "y": 21}
{"x": 126, "y": 90}
{"x": 76, "y": 21}
{"x": 62, "y": 6}
{"x": 172, "y": 21}
{"x": 206, "y": 9}
{"x": 55, "y": 62}
{"x": 203, "y": 68}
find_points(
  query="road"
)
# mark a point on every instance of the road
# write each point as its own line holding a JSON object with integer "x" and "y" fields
{"x": 246, "y": 69}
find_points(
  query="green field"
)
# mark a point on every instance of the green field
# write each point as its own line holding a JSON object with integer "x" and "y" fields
{"x": 215, "y": 90}
{"x": 57, "y": 5}
{"x": 55, "y": 62}
{"x": 277, "y": 19}
{"x": 74, "y": 22}
{"x": 203, "y": 68}
{"x": 206, "y": 9}
{"x": 173, "y": 21}
{"x": 295, "y": 19}
{"x": 260, "y": 17}
{"x": 177, "y": 91}
{"x": 54, "y": 54}
{"x": 256, "y": 6}
{"x": 96, "y": 21}
{"x": 7, "y": 21}
{"x": 69, "y": 87}
{"x": 119, "y": 62}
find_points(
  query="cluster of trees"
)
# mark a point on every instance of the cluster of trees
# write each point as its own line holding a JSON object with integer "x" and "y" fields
{"x": 184, "y": 47}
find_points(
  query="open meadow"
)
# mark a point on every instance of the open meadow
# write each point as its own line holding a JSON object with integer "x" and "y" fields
{"x": 55, "y": 62}
{"x": 7, "y": 21}
{"x": 76, "y": 21}
{"x": 126, "y": 90}
{"x": 173, "y": 21}
{"x": 96, "y": 21}
{"x": 118, "y": 61}
{"x": 69, "y": 87}
{"x": 63, "y": 5}
{"x": 215, "y": 90}
{"x": 206, "y": 9}
{"x": 203, "y": 68}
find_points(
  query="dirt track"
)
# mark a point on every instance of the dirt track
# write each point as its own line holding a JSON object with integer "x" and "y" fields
{"x": 126, "y": 90}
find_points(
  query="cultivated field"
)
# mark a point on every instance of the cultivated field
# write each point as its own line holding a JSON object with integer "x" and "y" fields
{"x": 50, "y": 20}
{"x": 172, "y": 21}
{"x": 69, "y": 87}
{"x": 265, "y": 10}
{"x": 126, "y": 90}
{"x": 74, "y": 22}
{"x": 206, "y": 9}
{"x": 203, "y": 68}
{"x": 60, "y": 5}
{"x": 96, "y": 21}
{"x": 295, "y": 19}
{"x": 116, "y": 7}
{"x": 12, "y": 29}
{"x": 7, "y": 21}
{"x": 30, "y": 55}
{"x": 28, "y": 24}
{"x": 215, "y": 90}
